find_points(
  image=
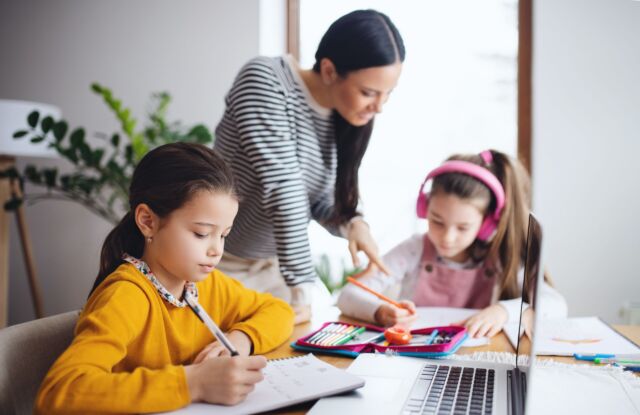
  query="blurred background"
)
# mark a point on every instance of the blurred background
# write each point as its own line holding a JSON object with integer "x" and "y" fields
{"x": 458, "y": 93}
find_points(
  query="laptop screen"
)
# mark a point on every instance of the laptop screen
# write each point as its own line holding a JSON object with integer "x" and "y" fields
{"x": 532, "y": 270}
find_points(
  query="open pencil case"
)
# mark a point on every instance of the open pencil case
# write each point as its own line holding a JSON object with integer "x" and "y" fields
{"x": 338, "y": 338}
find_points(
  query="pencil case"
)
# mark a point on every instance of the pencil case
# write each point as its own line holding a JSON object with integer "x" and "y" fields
{"x": 333, "y": 338}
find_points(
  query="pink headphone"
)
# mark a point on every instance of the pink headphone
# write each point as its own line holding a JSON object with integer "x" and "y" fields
{"x": 484, "y": 175}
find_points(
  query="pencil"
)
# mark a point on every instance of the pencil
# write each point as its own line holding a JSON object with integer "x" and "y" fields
{"x": 377, "y": 294}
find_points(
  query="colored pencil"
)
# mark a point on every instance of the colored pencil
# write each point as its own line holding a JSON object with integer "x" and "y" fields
{"x": 377, "y": 294}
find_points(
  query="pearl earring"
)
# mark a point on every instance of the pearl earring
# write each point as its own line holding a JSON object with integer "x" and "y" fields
{"x": 150, "y": 239}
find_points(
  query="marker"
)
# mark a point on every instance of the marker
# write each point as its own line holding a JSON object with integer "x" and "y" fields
{"x": 631, "y": 368}
{"x": 432, "y": 336}
{"x": 619, "y": 361}
{"x": 592, "y": 357}
{"x": 336, "y": 335}
{"x": 322, "y": 332}
{"x": 349, "y": 336}
{"x": 211, "y": 325}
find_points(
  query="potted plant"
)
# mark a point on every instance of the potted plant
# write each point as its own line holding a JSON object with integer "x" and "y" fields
{"x": 101, "y": 174}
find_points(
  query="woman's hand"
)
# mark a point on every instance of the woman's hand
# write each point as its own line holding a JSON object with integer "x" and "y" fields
{"x": 240, "y": 341}
{"x": 360, "y": 239}
{"x": 225, "y": 380}
{"x": 303, "y": 313}
{"x": 487, "y": 322}
{"x": 388, "y": 315}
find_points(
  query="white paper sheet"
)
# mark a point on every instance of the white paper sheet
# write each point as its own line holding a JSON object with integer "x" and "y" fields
{"x": 564, "y": 337}
{"x": 582, "y": 390}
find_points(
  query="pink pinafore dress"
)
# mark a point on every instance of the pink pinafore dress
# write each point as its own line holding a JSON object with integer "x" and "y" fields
{"x": 441, "y": 286}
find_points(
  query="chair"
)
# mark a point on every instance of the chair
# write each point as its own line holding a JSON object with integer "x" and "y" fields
{"x": 27, "y": 351}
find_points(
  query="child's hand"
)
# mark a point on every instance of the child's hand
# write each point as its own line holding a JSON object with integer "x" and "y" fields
{"x": 240, "y": 341}
{"x": 487, "y": 322}
{"x": 388, "y": 315}
{"x": 226, "y": 380}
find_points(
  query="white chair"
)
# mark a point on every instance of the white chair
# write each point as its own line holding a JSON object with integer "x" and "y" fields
{"x": 27, "y": 351}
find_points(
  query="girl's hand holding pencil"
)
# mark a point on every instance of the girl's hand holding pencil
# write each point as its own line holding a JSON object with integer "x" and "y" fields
{"x": 391, "y": 314}
{"x": 388, "y": 315}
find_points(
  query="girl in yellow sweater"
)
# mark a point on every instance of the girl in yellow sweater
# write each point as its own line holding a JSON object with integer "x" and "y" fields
{"x": 138, "y": 347}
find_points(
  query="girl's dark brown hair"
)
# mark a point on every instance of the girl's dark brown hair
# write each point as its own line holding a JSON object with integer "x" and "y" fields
{"x": 358, "y": 40}
{"x": 165, "y": 179}
{"x": 507, "y": 247}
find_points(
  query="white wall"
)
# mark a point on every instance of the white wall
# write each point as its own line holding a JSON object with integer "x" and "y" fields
{"x": 586, "y": 91}
{"x": 52, "y": 51}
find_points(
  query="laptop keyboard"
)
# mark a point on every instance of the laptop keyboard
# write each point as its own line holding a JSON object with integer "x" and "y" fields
{"x": 451, "y": 390}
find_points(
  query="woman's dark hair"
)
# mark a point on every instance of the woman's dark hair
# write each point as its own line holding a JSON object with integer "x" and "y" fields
{"x": 361, "y": 39}
{"x": 165, "y": 179}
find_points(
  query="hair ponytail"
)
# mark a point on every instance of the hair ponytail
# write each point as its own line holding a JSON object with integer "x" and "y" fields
{"x": 509, "y": 243}
{"x": 351, "y": 144}
{"x": 125, "y": 237}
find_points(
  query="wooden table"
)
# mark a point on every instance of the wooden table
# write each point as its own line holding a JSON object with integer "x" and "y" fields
{"x": 499, "y": 343}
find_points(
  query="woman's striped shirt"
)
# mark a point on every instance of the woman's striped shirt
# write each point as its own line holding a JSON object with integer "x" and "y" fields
{"x": 281, "y": 146}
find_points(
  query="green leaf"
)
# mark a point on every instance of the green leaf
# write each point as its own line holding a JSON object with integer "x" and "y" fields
{"x": 46, "y": 124}
{"x": 12, "y": 204}
{"x": 33, "y": 175}
{"x": 139, "y": 147}
{"x": 87, "y": 155}
{"x": 59, "y": 130}
{"x": 115, "y": 140}
{"x": 70, "y": 154}
{"x": 77, "y": 137}
{"x": 50, "y": 176}
{"x": 20, "y": 134}
{"x": 200, "y": 134}
{"x": 97, "y": 157}
{"x": 65, "y": 182}
{"x": 33, "y": 118}
{"x": 96, "y": 87}
{"x": 128, "y": 153}
{"x": 37, "y": 139}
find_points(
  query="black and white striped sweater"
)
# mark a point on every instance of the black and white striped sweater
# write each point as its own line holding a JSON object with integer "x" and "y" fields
{"x": 281, "y": 146}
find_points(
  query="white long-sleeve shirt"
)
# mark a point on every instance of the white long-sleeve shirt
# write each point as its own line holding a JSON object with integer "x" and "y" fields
{"x": 403, "y": 262}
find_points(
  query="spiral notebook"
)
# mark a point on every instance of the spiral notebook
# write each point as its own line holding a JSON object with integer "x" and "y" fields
{"x": 286, "y": 382}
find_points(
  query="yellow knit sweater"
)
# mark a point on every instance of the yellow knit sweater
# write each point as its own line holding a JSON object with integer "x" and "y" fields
{"x": 130, "y": 345}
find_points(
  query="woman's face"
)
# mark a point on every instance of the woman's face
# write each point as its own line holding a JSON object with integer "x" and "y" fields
{"x": 361, "y": 94}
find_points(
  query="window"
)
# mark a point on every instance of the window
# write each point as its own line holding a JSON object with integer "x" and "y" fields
{"x": 457, "y": 94}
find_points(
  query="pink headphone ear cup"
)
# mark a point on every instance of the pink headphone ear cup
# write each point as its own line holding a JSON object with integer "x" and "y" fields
{"x": 487, "y": 229}
{"x": 422, "y": 205}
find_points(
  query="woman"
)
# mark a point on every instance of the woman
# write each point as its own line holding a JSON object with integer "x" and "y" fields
{"x": 295, "y": 139}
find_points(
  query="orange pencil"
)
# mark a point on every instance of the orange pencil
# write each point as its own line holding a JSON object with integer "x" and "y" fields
{"x": 377, "y": 294}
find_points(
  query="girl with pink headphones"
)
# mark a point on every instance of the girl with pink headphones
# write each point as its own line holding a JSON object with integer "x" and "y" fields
{"x": 470, "y": 257}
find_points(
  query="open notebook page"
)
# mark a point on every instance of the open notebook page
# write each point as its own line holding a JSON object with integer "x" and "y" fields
{"x": 286, "y": 382}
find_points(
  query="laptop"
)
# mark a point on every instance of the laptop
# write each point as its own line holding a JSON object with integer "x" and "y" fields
{"x": 406, "y": 385}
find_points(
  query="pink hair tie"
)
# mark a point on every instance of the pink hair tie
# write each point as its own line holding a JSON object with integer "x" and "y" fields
{"x": 487, "y": 156}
